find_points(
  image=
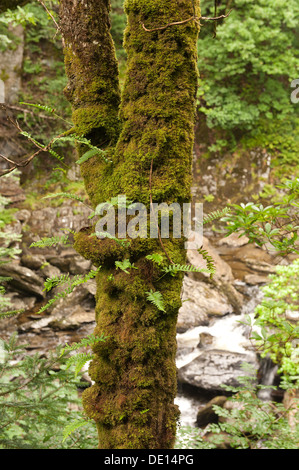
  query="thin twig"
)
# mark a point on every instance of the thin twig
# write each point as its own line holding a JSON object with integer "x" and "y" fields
{"x": 192, "y": 18}
{"x": 215, "y": 18}
{"x": 26, "y": 162}
{"x": 152, "y": 208}
{"x": 28, "y": 111}
{"x": 169, "y": 24}
{"x": 54, "y": 21}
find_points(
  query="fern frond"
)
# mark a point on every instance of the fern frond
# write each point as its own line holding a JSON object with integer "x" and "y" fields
{"x": 70, "y": 428}
{"x": 216, "y": 215}
{"x": 55, "y": 281}
{"x": 209, "y": 261}
{"x": 173, "y": 269}
{"x": 40, "y": 106}
{"x": 45, "y": 108}
{"x": 79, "y": 360}
{"x": 90, "y": 340}
{"x": 80, "y": 279}
{"x": 155, "y": 258}
{"x": 156, "y": 298}
{"x": 45, "y": 241}
{"x": 29, "y": 137}
{"x": 93, "y": 150}
{"x": 91, "y": 153}
{"x": 66, "y": 195}
{"x": 11, "y": 313}
{"x": 55, "y": 154}
{"x": 76, "y": 281}
{"x": 60, "y": 295}
{"x": 124, "y": 265}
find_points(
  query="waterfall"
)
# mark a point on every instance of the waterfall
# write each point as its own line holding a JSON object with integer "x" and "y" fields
{"x": 268, "y": 371}
{"x": 226, "y": 334}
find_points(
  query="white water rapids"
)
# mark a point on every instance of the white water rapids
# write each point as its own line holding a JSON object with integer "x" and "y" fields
{"x": 228, "y": 335}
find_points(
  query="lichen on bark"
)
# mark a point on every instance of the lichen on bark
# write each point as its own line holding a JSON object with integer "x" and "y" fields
{"x": 134, "y": 371}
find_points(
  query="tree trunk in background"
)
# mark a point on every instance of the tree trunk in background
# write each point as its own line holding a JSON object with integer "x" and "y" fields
{"x": 132, "y": 399}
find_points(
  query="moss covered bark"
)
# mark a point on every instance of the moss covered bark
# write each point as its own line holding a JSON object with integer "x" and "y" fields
{"x": 132, "y": 399}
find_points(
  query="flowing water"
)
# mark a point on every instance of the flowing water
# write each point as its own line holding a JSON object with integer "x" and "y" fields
{"x": 228, "y": 334}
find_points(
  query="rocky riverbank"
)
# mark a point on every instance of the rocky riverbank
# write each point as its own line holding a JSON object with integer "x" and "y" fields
{"x": 212, "y": 345}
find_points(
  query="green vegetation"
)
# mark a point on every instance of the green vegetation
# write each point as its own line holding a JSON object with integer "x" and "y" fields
{"x": 244, "y": 100}
{"x": 246, "y": 75}
{"x": 40, "y": 398}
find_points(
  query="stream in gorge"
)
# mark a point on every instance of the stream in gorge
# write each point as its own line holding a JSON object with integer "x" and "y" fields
{"x": 227, "y": 334}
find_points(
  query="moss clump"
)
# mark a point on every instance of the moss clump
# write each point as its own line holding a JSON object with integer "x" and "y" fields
{"x": 97, "y": 250}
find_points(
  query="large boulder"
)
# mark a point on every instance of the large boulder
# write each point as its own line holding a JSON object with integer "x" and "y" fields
{"x": 23, "y": 279}
{"x": 223, "y": 278}
{"x": 212, "y": 369}
{"x": 206, "y": 413}
{"x": 200, "y": 301}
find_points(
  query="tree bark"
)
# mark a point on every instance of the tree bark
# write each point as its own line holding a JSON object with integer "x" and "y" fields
{"x": 149, "y": 138}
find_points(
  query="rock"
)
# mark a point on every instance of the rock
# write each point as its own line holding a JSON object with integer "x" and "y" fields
{"x": 230, "y": 406}
{"x": 69, "y": 261}
{"x": 23, "y": 215}
{"x": 48, "y": 270}
{"x": 23, "y": 279}
{"x": 292, "y": 315}
{"x": 73, "y": 310}
{"x": 20, "y": 303}
{"x": 33, "y": 261}
{"x": 214, "y": 368}
{"x": 254, "y": 279}
{"x": 223, "y": 270}
{"x": 205, "y": 340}
{"x": 223, "y": 277}
{"x": 207, "y": 415}
{"x": 68, "y": 313}
{"x": 200, "y": 301}
{"x": 11, "y": 66}
{"x": 35, "y": 325}
{"x": 291, "y": 403}
{"x": 11, "y": 189}
{"x": 260, "y": 265}
{"x": 234, "y": 297}
{"x": 233, "y": 240}
{"x": 52, "y": 220}
{"x": 74, "y": 320}
{"x": 42, "y": 222}
{"x": 79, "y": 265}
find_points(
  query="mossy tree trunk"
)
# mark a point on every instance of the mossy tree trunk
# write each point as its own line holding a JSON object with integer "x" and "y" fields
{"x": 134, "y": 372}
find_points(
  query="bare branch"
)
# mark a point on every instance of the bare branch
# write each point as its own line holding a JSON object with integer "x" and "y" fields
{"x": 192, "y": 18}
{"x": 53, "y": 19}
{"x": 25, "y": 162}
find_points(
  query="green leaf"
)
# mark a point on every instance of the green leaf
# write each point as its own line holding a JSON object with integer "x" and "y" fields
{"x": 156, "y": 298}
{"x": 70, "y": 428}
{"x": 256, "y": 336}
{"x": 155, "y": 258}
{"x": 87, "y": 155}
{"x": 125, "y": 265}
